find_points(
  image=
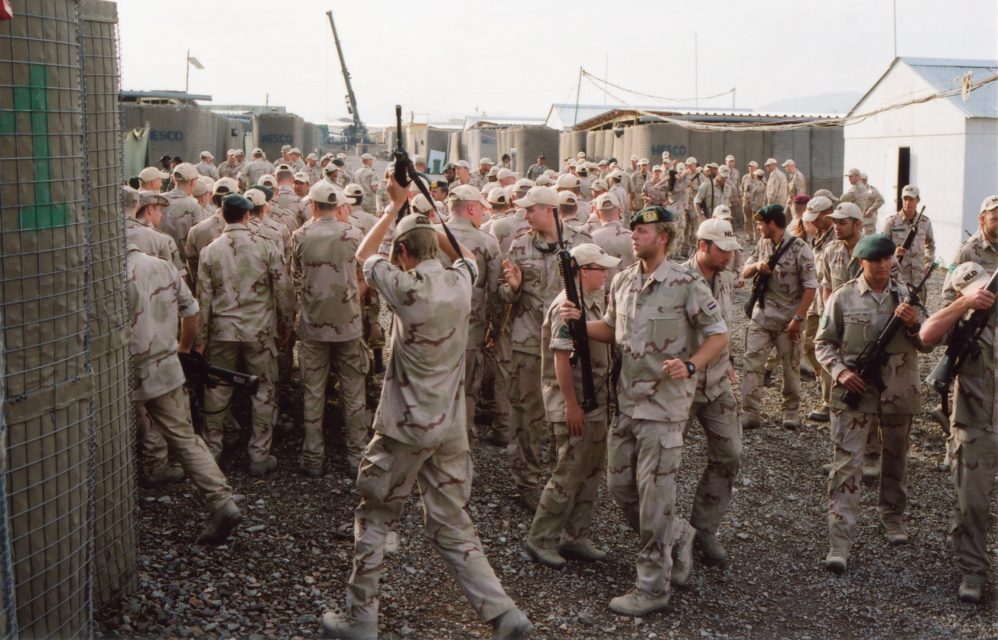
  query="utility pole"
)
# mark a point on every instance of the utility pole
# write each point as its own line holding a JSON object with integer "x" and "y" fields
{"x": 895, "y": 25}
{"x": 578, "y": 88}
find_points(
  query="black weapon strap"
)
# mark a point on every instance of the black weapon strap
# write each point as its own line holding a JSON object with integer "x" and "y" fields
{"x": 447, "y": 232}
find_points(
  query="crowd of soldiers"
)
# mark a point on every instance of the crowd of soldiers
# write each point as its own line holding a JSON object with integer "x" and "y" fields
{"x": 269, "y": 266}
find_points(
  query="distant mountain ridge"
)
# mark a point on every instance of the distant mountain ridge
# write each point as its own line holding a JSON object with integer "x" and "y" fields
{"x": 832, "y": 102}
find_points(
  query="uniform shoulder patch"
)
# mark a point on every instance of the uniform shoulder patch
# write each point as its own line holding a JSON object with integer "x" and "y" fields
{"x": 824, "y": 321}
{"x": 564, "y": 333}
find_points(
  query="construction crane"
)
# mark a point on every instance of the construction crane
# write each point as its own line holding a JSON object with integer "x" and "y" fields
{"x": 356, "y": 132}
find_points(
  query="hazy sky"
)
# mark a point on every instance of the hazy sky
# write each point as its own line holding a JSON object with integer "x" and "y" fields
{"x": 515, "y": 58}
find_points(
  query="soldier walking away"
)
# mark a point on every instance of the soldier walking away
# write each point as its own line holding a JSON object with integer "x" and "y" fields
{"x": 420, "y": 435}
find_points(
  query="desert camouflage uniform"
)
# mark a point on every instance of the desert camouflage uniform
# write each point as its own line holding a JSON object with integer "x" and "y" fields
{"x": 246, "y": 299}
{"x": 199, "y": 237}
{"x": 368, "y": 181}
{"x": 254, "y": 170}
{"x": 688, "y": 224}
{"x": 614, "y": 238}
{"x": 859, "y": 195}
{"x": 874, "y": 201}
{"x": 330, "y": 332}
{"x": 179, "y": 216}
{"x": 796, "y": 186}
{"x": 715, "y": 406}
{"x": 157, "y": 296}
{"x": 818, "y": 245}
{"x": 637, "y": 181}
{"x": 837, "y": 265}
{"x": 777, "y": 188}
{"x": 566, "y": 505}
{"x": 854, "y": 316}
{"x": 230, "y": 170}
{"x": 974, "y": 434}
{"x": 753, "y": 199}
{"x": 922, "y": 251}
{"x": 420, "y": 436}
{"x": 655, "y": 318}
{"x": 792, "y": 275}
{"x": 287, "y": 199}
{"x": 538, "y": 263}
{"x": 153, "y": 243}
{"x": 711, "y": 194}
{"x": 273, "y": 231}
{"x": 206, "y": 169}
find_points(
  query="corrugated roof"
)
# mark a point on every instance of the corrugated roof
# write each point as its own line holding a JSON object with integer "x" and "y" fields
{"x": 946, "y": 74}
{"x": 696, "y": 115}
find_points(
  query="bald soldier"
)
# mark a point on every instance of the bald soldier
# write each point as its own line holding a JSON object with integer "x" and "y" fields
{"x": 855, "y": 315}
{"x": 668, "y": 327}
{"x": 157, "y": 298}
{"x": 329, "y": 288}
{"x": 246, "y": 298}
{"x": 974, "y": 434}
{"x": 419, "y": 430}
{"x": 532, "y": 280}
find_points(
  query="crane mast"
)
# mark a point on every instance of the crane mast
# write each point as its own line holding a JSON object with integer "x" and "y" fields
{"x": 359, "y": 131}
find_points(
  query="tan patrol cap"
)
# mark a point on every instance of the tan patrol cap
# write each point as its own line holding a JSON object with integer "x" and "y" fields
{"x": 588, "y": 253}
{"x": 544, "y": 181}
{"x": 568, "y": 181}
{"x": 463, "y": 164}
{"x": 847, "y": 210}
{"x": 152, "y": 173}
{"x": 606, "y": 202}
{"x": 691, "y": 160}
{"x": 599, "y": 184}
{"x": 815, "y": 206}
{"x": 524, "y": 182}
{"x": 487, "y": 161}
{"x": 720, "y": 233}
{"x": 721, "y": 212}
{"x": 327, "y": 193}
{"x": 504, "y": 174}
{"x": 225, "y": 186}
{"x": 285, "y": 148}
{"x": 642, "y": 161}
{"x": 421, "y": 205}
{"x": 295, "y": 150}
{"x": 147, "y": 198}
{"x": 909, "y": 191}
{"x": 789, "y": 163}
{"x": 753, "y": 163}
{"x": 724, "y": 171}
{"x": 366, "y": 156}
{"x": 729, "y": 158}
{"x": 353, "y": 190}
{"x": 991, "y": 202}
{"x": 257, "y": 197}
{"x": 416, "y": 159}
{"x": 468, "y": 193}
{"x": 129, "y": 197}
{"x": 581, "y": 155}
{"x": 185, "y": 171}
{"x": 267, "y": 180}
{"x": 770, "y": 161}
{"x": 853, "y": 172}
{"x": 412, "y": 222}
{"x": 759, "y": 173}
{"x": 208, "y": 155}
{"x": 969, "y": 277}
{"x": 499, "y": 195}
{"x": 567, "y": 199}
{"x": 538, "y": 195}
{"x": 301, "y": 176}
{"x": 203, "y": 185}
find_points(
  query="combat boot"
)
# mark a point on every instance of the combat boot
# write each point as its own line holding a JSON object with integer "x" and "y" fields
{"x": 263, "y": 467}
{"x": 166, "y": 476}
{"x": 637, "y": 603}
{"x": 530, "y": 498}
{"x": 335, "y": 625}
{"x": 713, "y": 552}
{"x": 971, "y": 588}
{"x": 871, "y": 470}
{"x": 837, "y": 559}
{"x": 682, "y": 558}
{"x": 379, "y": 361}
{"x": 221, "y": 523}
{"x": 581, "y": 550}
{"x": 750, "y": 421}
{"x": 512, "y": 625}
{"x": 819, "y": 415}
{"x": 895, "y": 533}
{"x": 547, "y": 557}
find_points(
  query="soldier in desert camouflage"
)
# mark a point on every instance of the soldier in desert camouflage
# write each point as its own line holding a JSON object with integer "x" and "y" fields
{"x": 420, "y": 434}
{"x": 855, "y": 314}
{"x": 246, "y": 301}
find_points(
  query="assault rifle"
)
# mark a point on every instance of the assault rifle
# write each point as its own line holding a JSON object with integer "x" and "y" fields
{"x": 871, "y": 362}
{"x": 580, "y": 337}
{"x": 201, "y": 374}
{"x": 761, "y": 280}
{"x": 405, "y": 173}
{"x": 961, "y": 346}
{"x": 912, "y": 233}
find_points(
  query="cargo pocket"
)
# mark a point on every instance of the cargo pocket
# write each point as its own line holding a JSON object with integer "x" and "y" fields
{"x": 664, "y": 330}
{"x": 856, "y": 332}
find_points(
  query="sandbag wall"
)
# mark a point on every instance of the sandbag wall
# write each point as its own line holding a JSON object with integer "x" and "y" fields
{"x": 67, "y": 536}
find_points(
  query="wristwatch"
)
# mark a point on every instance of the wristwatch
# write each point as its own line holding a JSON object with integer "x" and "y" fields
{"x": 690, "y": 368}
{"x": 798, "y": 317}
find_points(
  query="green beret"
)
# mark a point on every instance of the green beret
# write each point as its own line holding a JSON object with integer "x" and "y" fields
{"x": 651, "y": 215}
{"x": 267, "y": 191}
{"x": 874, "y": 247}
{"x": 771, "y": 213}
{"x": 237, "y": 201}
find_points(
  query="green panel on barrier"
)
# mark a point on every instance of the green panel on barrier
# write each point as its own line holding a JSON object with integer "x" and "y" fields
{"x": 33, "y": 100}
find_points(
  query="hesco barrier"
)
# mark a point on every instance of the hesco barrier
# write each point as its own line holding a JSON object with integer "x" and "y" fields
{"x": 67, "y": 482}
{"x": 183, "y": 130}
{"x": 526, "y": 143}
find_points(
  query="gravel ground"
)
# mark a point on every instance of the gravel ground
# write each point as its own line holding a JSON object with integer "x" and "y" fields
{"x": 289, "y": 559}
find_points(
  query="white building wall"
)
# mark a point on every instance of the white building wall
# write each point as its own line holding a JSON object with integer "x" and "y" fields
{"x": 936, "y": 133}
{"x": 981, "y": 175}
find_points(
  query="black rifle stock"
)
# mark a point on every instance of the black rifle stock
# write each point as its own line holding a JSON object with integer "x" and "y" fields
{"x": 912, "y": 233}
{"x": 761, "y": 280}
{"x": 202, "y": 375}
{"x": 962, "y": 345}
{"x": 870, "y": 363}
{"x": 577, "y": 328}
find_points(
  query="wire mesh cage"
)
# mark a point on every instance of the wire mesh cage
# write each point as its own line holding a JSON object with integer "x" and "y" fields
{"x": 67, "y": 493}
